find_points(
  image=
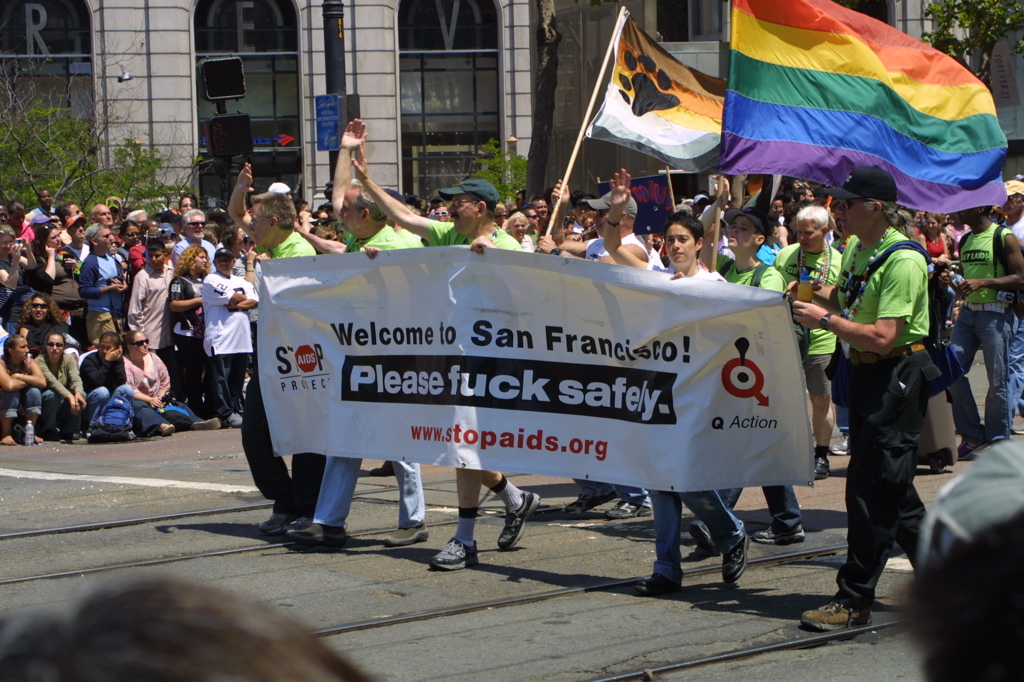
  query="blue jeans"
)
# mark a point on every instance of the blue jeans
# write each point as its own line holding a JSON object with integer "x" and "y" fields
{"x": 726, "y": 530}
{"x": 147, "y": 421}
{"x": 782, "y": 505}
{"x": 989, "y": 331}
{"x": 626, "y": 493}
{"x": 56, "y": 418}
{"x": 99, "y": 396}
{"x": 339, "y": 485}
{"x": 1016, "y": 386}
{"x": 30, "y": 398}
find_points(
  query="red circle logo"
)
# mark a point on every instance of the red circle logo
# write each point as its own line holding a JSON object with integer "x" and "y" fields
{"x": 305, "y": 358}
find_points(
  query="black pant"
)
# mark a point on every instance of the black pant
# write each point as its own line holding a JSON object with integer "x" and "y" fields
{"x": 191, "y": 363}
{"x": 291, "y": 495}
{"x": 882, "y": 505}
{"x": 226, "y": 377}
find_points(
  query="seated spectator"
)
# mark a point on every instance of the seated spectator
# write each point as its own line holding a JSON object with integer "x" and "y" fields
{"x": 64, "y": 397}
{"x": 147, "y": 375}
{"x": 103, "y": 375}
{"x": 40, "y": 318}
{"x": 21, "y": 385}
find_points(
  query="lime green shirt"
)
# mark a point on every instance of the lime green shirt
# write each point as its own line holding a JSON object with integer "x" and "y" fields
{"x": 386, "y": 239}
{"x": 771, "y": 279}
{"x": 898, "y": 289}
{"x": 823, "y": 342}
{"x": 444, "y": 234}
{"x": 295, "y": 245}
{"x": 978, "y": 260}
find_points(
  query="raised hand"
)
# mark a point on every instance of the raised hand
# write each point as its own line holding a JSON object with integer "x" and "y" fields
{"x": 244, "y": 180}
{"x": 354, "y": 135}
{"x": 621, "y": 188}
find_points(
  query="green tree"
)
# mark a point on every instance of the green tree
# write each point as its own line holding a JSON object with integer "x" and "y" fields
{"x": 71, "y": 153}
{"x": 506, "y": 170}
{"x": 968, "y": 30}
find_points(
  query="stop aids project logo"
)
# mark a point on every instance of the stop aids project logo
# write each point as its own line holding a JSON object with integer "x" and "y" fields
{"x": 301, "y": 368}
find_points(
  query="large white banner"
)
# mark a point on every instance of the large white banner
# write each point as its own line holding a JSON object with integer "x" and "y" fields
{"x": 533, "y": 363}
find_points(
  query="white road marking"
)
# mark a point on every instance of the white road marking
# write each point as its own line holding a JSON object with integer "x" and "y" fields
{"x": 127, "y": 480}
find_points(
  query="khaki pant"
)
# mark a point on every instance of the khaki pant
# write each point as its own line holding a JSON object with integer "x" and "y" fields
{"x": 97, "y": 323}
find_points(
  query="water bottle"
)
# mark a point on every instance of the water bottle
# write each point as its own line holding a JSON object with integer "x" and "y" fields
{"x": 805, "y": 290}
{"x": 30, "y": 433}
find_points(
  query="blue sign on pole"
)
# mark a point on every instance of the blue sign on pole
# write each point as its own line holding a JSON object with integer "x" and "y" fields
{"x": 328, "y": 123}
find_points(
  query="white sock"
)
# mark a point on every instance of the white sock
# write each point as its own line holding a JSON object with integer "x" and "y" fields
{"x": 465, "y": 530}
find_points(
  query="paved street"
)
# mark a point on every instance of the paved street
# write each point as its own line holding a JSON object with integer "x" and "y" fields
{"x": 576, "y": 636}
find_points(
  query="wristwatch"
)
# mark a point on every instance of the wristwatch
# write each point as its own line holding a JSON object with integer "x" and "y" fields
{"x": 823, "y": 322}
{"x": 556, "y": 252}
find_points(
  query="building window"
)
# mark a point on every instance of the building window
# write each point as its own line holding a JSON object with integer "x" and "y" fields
{"x": 264, "y": 34}
{"x": 449, "y": 65}
{"x": 46, "y": 54}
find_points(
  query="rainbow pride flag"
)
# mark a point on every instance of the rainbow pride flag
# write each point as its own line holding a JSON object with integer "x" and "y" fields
{"x": 658, "y": 106}
{"x": 816, "y": 90}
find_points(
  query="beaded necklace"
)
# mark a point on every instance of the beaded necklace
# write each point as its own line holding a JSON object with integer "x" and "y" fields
{"x": 856, "y": 285}
{"x": 824, "y": 263}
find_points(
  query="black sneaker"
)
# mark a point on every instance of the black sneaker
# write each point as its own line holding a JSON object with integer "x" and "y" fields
{"x": 699, "y": 533}
{"x": 585, "y": 503}
{"x": 515, "y": 521}
{"x": 821, "y": 468}
{"x": 734, "y": 562}
{"x": 786, "y": 537}
{"x": 626, "y": 510}
{"x": 454, "y": 556}
{"x": 655, "y": 585}
{"x": 319, "y": 534}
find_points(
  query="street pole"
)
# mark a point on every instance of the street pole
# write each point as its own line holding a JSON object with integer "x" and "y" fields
{"x": 334, "y": 64}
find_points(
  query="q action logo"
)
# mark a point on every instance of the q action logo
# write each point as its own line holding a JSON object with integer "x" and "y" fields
{"x": 302, "y": 368}
{"x": 742, "y": 378}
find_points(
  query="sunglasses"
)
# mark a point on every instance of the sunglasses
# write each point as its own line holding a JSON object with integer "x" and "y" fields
{"x": 500, "y": 215}
{"x": 198, "y": 224}
{"x": 140, "y": 342}
{"x": 54, "y": 345}
{"x": 39, "y": 306}
{"x": 847, "y": 202}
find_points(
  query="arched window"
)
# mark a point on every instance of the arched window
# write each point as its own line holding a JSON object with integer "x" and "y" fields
{"x": 264, "y": 33}
{"x": 448, "y": 59}
{"x": 46, "y": 53}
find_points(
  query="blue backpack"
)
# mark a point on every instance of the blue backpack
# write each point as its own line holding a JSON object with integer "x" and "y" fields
{"x": 113, "y": 423}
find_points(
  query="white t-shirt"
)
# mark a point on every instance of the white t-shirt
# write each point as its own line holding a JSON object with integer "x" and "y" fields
{"x": 227, "y": 331}
{"x": 596, "y": 250}
{"x": 1018, "y": 229}
{"x": 701, "y": 273}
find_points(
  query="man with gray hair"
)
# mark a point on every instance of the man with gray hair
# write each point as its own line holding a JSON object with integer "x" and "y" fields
{"x": 194, "y": 233}
{"x": 366, "y": 232}
{"x": 811, "y": 254}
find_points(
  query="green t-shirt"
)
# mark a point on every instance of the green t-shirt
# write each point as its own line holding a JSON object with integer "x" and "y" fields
{"x": 978, "y": 260}
{"x": 444, "y": 234}
{"x": 898, "y": 289}
{"x": 295, "y": 245}
{"x": 823, "y": 342}
{"x": 386, "y": 239}
{"x": 771, "y": 279}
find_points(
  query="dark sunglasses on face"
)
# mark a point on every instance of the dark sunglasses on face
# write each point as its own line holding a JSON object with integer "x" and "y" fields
{"x": 51, "y": 344}
{"x": 198, "y": 224}
{"x": 140, "y": 342}
{"x": 39, "y": 306}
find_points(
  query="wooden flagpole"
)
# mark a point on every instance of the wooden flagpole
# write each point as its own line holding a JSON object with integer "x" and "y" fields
{"x": 623, "y": 12}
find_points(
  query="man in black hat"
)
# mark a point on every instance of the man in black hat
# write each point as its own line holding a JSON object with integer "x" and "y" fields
{"x": 881, "y": 321}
